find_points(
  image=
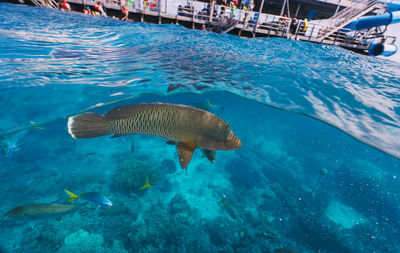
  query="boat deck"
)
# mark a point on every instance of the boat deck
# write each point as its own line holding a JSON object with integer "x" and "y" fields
{"x": 221, "y": 19}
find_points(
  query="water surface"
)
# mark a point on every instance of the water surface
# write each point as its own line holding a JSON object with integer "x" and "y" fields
{"x": 302, "y": 179}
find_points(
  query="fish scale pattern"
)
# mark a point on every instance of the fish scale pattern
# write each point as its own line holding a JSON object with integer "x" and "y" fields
{"x": 152, "y": 121}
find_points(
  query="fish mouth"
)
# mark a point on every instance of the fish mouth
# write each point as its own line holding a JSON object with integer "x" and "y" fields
{"x": 238, "y": 143}
{"x": 233, "y": 144}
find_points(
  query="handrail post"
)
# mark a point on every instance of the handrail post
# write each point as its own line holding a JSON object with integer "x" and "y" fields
{"x": 194, "y": 11}
{"x": 258, "y": 18}
{"x": 283, "y": 7}
{"x": 312, "y": 31}
{"x": 211, "y": 10}
{"x": 297, "y": 30}
{"x": 159, "y": 11}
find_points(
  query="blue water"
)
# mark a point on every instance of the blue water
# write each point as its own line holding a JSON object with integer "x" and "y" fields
{"x": 317, "y": 171}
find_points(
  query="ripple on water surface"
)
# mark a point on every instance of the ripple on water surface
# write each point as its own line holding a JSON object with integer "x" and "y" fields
{"x": 86, "y": 59}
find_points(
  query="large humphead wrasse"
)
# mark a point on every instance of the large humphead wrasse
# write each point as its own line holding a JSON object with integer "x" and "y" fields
{"x": 186, "y": 126}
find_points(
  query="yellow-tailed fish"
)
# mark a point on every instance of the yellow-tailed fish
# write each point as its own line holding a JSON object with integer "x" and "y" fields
{"x": 94, "y": 197}
{"x": 186, "y": 126}
{"x": 146, "y": 185}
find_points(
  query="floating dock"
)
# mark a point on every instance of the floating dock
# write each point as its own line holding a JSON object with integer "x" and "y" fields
{"x": 337, "y": 30}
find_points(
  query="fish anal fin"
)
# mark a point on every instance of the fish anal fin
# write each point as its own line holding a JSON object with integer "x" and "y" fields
{"x": 192, "y": 144}
{"x": 185, "y": 152}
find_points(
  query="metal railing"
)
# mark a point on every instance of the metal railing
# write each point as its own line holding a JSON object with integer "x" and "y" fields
{"x": 46, "y": 3}
{"x": 347, "y": 15}
{"x": 223, "y": 19}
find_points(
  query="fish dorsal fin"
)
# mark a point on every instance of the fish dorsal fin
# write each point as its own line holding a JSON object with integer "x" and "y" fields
{"x": 72, "y": 196}
{"x": 185, "y": 152}
{"x": 124, "y": 111}
{"x": 210, "y": 154}
{"x": 128, "y": 111}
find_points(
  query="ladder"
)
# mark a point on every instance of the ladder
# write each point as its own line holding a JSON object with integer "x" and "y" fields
{"x": 347, "y": 15}
{"x": 230, "y": 27}
{"x": 45, "y": 3}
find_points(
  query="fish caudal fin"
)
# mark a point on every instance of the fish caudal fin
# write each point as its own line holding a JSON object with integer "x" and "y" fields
{"x": 146, "y": 185}
{"x": 72, "y": 196}
{"x": 87, "y": 125}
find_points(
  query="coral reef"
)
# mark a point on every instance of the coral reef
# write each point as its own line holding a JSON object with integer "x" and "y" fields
{"x": 85, "y": 242}
{"x": 167, "y": 166}
{"x": 243, "y": 174}
{"x": 131, "y": 175}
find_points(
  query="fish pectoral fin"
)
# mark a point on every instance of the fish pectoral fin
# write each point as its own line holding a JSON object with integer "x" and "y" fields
{"x": 185, "y": 152}
{"x": 210, "y": 154}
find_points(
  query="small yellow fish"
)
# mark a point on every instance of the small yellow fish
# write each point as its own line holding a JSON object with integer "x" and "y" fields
{"x": 146, "y": 185}
{"x": 32, "y": 122}
{"x": 39, "y": 127}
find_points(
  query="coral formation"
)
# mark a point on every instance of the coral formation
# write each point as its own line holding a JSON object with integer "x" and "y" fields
{"x": 243, "y": 174}
{"x": 85, "y": 242}
{"x": 131, "y": 175}
{"x": 168, "y": 166}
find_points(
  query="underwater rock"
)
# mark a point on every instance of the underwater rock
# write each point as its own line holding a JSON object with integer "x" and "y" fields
{"x": 131, "y": 175}
{"x": 155, "y": 233}
{"x": 42, "y": 235}
{"x": 217, "y": 233}
{"x": 243, "y": 174}
{"x": 168, "y": 166}
{"x": 178, "y": 204}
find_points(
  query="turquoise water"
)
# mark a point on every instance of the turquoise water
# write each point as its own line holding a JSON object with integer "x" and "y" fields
{"x": 317, "y": 171}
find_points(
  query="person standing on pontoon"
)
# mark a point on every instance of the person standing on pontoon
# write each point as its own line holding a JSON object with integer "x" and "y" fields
{"x": 64, "y": 6}
{"x": 98, "y": 9}
{"x": 125, "y": 13}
